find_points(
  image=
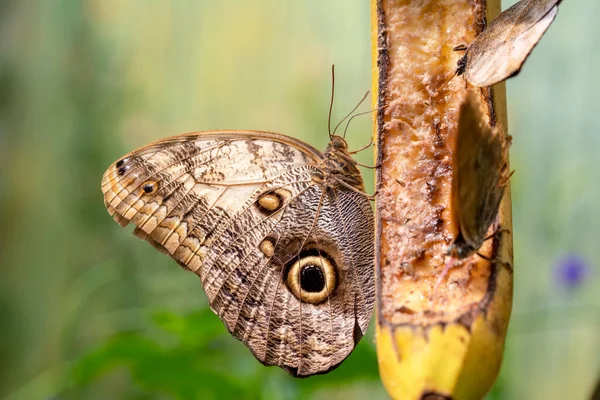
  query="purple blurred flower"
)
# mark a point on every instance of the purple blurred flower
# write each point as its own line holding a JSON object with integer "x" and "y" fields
{"x": 570, "y": 271}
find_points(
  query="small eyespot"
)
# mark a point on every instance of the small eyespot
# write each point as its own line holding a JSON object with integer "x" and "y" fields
{"x": 267, "y": 247}
{"x": 120, "y": 163}
{"x": 312, "y": 278}
{"x": 149, "y": 187}
{"x": 121, "y": 171}
{"x": 270, "y": 202}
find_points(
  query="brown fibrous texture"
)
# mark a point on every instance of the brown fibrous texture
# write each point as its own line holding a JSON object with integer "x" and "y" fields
{"x": 421, "y": 98}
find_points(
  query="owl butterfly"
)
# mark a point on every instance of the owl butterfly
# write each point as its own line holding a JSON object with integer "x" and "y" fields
{"x": 280, "y": 234}
{"x": 479, "y": 176}
{"x": 501, "y": 49}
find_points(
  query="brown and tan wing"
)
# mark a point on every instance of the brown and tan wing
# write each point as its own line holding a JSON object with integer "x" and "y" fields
{"x": 241, "y": 210}
{"x": 480, "y": 172}
{"x": 309, "y": 297}
{"x": 194, "y": 170}
{"x": 502, "y": 48}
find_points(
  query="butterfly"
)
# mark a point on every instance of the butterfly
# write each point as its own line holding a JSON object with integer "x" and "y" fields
{"x": 501, "y": 49}
{"x": 480, "y": 177}
{"x": 280, "y": 234}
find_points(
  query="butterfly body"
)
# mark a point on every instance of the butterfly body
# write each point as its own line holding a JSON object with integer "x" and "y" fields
{"x": 279, "y": 233}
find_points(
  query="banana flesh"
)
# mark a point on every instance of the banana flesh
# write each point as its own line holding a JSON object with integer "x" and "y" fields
{"x": 447, "y": 344}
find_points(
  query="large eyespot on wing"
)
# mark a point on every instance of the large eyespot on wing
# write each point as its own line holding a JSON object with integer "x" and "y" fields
{"x": 502, "y": 48}
{"x": 312, "y": 277}
{"x": 480, "y": 172}
{"x": 297, "y": 286}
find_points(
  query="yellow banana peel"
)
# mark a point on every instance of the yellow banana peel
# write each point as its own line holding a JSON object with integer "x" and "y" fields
{"x": 445, "y": 343}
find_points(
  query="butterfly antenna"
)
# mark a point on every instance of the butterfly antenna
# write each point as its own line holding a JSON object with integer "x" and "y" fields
{"x": 331, "y": 102}
{"x": 359, "y": 114}
{"x": 350, "y": 113}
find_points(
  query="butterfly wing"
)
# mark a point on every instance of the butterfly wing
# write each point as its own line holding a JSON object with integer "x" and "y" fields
{"x": 502, "y": 48}
{"x": 240, "y": 209}
{"x": 479, "y": 172}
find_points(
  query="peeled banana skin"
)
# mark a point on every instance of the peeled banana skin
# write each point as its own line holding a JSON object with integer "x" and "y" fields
{"x": 448, "y": 344}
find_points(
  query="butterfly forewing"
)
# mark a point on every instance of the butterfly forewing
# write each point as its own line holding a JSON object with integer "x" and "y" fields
{"x": 479, "y": 172}
{"x": 502, "y": 48}
{"x": 243, "y": 211}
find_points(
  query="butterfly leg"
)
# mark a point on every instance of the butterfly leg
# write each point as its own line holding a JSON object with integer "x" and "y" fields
{"x": 373, "y": 196}
{"x": 369, "y": 166}
{"x": 496, "y": 233}
{"x": 493, "y": 235}
{"x": 484, "y": 257}
{"x": 370, "y": 197}
{"x": 363, "y": 147}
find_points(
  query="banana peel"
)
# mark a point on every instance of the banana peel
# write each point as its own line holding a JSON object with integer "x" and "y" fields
{"x": 447, "y": 343}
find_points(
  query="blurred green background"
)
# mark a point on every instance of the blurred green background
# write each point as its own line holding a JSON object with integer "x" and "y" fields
{"x": 89, "y": 311}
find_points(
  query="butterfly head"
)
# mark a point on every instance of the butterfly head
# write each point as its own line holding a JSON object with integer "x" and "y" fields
{"x": 460, "y": 248}
{"x": 340, "y": 166}
{"x": 338, "y": 143}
